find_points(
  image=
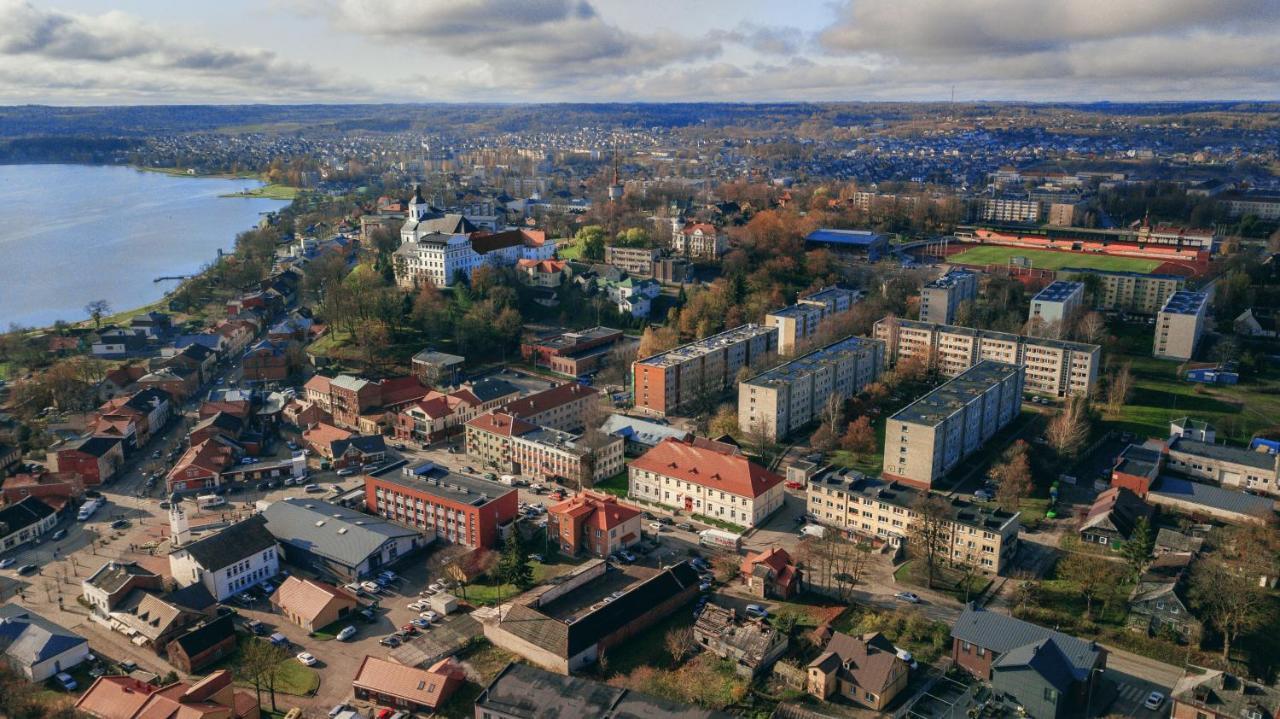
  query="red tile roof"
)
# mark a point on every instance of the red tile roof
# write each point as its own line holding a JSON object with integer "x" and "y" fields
{"x": 548, "y": 399}
{"x": 400, "y": 390}
{"x": 725, "y": 472}
{"x": 426, "y": 687}
{"x": 605, "y": 509}
{"x": 501, "y": 423}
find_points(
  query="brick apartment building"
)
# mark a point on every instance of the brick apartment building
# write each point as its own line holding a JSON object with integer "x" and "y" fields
{"x": 565, "y": 407}
{"x": 572, "y": 353}
{"x": 459, "y": 509}
{"x": 95, "y": 459}
{"x": 681, "y": 378}
{"x": 512, "y": 445}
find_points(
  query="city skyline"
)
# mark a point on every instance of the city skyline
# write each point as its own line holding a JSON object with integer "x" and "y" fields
{"x": 75, "y": 52}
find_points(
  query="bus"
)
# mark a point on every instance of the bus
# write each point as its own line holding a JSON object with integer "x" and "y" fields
{"x": 719, "y": 539}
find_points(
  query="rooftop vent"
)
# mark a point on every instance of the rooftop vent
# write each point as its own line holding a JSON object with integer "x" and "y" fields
{"x": 342, "y": 530}
{"x": 320, "y": 523}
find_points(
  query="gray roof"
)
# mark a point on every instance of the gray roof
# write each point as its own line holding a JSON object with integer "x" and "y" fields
{"x": 112, "y": 576}
{"x": 491, "y": 388}
{"x": 1045, "y": 658}
{"x": 26, "y": 638}
{"x": 1004, "y": 634}
{"x": 344, "y": 535}
{"x": 1210, "y": 496}
{"x": 969, "y": 386}
{"x": 240, "y": 541}
{"x": 643, "y": 431}
{"x": 436, "y": 480}
{"x": 1260, "y": 460}
{"x": 523, "y": 691}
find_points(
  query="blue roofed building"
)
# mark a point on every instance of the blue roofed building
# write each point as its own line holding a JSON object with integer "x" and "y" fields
{"x": 36, "y": 647}
{"x": 872, "y": 244}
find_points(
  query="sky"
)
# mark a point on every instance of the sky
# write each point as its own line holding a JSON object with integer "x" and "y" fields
{"x": 81, "y": 52}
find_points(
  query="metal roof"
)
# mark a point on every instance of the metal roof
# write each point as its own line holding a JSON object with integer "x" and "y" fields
{"x": 1058, "y": 291}
{"x": 1003, "y": 634}
{"x": 948, "y": 399}
{"x": 333, "y": 532}
{"x": 1184, "y": 302}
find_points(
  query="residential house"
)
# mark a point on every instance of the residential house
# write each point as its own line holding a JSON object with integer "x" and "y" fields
{"x": 1048, "y": 673}
{"x": 106, "y": 588}
{"x": 1158, "y": 604}
{"x": 632, "y": 297}
{"x": 1112, "y": 517}
{"x": 122, "y": 697}
{"x": 220, "y": 424}
{"x": 338, "y": 541}
{"x": 35, "y": 647}
{"x": 1169, "y": 541}
{"x": 202, "y": 465}
{"x": 147, "y": 619}
{"x": 10, "y": 457}
{"x": 435, "y": 416}
{"x": 313, "y": 604}
{"x": 542, "y": 273}
{"x": 699, "y": 240}
{"x": 595, "y": 522}
{"x": 1214, "y": 694}
{"x": 25, "y": 521}
{"x": 702, "y": 480}
{"x": 194, "y": 356}
{"x": 405, "y": 687}
{"x": 238, "y": 557}
{"x": 119, "y": 343}
{"x": 95, "y": 459}
{"x": 770, "y": 574}
{"x": 56, "y": 489}
{"x": 266, "y": 361}
{"x": 865, "y": 670}
{"x": 521, "y": 691}
{"x": 180, "y": 382}
{"x": 203, "y": 644}
{"x": 752, "y": 646}
{"x": 357, "y": 451}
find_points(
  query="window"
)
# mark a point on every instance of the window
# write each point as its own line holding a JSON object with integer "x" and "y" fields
{"x": 982, "y": 651}
{"x": 1050, "y": 695}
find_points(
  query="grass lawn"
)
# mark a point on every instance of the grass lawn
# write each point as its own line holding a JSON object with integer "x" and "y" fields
{"x": 268, "y": 192}
{"x": 865, "y": 463}
{"x": 567, "y": 250}
{"x": 945, "y": 579}
{"x": 648, "y": 647}
{"x": 482, "y": 595}
{"x": 294, "y": 678}
{"x": 615, "y": 485}
{"x": 1051, "y": 260}
{"x": 927, "y": 640}
{"x": 1160, "y": 395}
{"x": 726, "y": 526}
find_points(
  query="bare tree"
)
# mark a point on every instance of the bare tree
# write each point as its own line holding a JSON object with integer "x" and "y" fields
{"x": 1092, "y": 575}
{"x": 930, "y": 534}
{"x": 1091, "y": 328}
{"x": 679, "y": 643}
{"x": 1230, "y": 601}
{"x": 96, "y": 310}
{"x": 1120, "y": 387}
{"x": 1069, "y": 430}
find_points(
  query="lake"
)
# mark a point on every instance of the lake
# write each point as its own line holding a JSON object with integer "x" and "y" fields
{"x": 72, "y": 234}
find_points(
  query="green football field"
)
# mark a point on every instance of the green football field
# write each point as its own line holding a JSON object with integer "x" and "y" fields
{"x": 1050, "y": 260}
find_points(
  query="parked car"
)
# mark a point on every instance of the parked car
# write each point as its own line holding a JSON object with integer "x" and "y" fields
{"x": 26, "y": 569}
{"x": 312, "y": 488}
{"x": 256, "y": 627}
{"x": 348, "y": 471}
{"x": 120, "y": 524}
{"x": 371, "y": 587}
{"x": 59, "y": 535}
{"x": 420, "y": 623}
{"x": 906, "y": 657}
{"x": 685, "y": 526}
{"x": 279, "y": 640}
{"x": 336, "y": 710}
{"x": 1154, "y": 701}
{"x": 346, "y": 634}
{"x": 756, "y": 610}
{"x": 66, "y": 681}
{"x": 7, "y": 562}
{"x": 655, "y": 526}
{"x": 392, "y": 641}
{"x": 911, "y": 597}
{"x": 429, "y": 615}
{"x": 984, "y": 495}
{"x": 795, "y": 485}
{"x": 307, "y": 659}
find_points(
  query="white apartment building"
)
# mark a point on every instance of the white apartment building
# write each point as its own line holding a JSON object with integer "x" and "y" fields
{"x": 701, "y": 480}
{"x": 1179, "y": 325}
{"x": 227, "y": 563}
{"x": 1129, "y": 291}
{"x": 792, "y": 395}
{"x": 1009, "y": 209}
{"x": 798, "y": 322}
{"x": 1053, "y": 367}
{"x": 940, "y": 298}
{"x": 1054, "y": 306}
{"x": 927, "y": 438}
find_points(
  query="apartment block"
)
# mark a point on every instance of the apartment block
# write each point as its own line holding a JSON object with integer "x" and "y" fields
{"x": 1054, "y": 305}
{"x": 1129, "y": 291}
{"x": 564, "y": 407}
{"x": 1053, "y": 367}
{"x": 572, "y": 353}
{"x": 1179, "y": 325}
{"x": 1009, "y": 209}
{"x": 632, "y": 260}
{"x": 940, "y": 298}
{"x": 673, "y": 381}
{"x": 798, "y": 322}
{"x": 700, "y": 478}
{"x": 1233, "y": 467}
{"x": 792, "y": 395}
{"x": 882, "y": 511}
{"x": 511, "y": 445}
{"x": 927, "y": 438}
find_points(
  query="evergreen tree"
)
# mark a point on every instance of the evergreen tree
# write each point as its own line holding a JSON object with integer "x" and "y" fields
{"x": 513, "y": 567}
{"x": 1138, "y": 549}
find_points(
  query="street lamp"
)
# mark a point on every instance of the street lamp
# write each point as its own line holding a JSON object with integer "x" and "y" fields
{"x": 1088, "y": 703}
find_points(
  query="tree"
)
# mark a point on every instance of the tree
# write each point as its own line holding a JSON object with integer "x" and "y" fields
{"x": 1012, "y": 476}
{"x": 1069, "y": 430}
{"x": 724, "y": 422}
{"x": 930, "y": 533}
{"x": 1138, "y": 549}
{"x": 96, "y": 311}
{"x": 591, "y": 239}
{"x": 1230, "y": 601}
{"x": 822, "y": 439}
{"x": 1120, "y": 388}
{"x": 786, "y": 620}
{"x": 1091, "y": 328}
{"x": 1027, "y": 590}
{"x": 859, "y": 437}
{"x": 760, "y": 438}
{"x": 513, "y": 565}
{"x": 1091, "y": 575}
{"x": 252, "y": 667}
{"x": 679, "y": 643}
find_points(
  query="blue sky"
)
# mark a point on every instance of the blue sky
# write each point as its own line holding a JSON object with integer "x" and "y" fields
{"x": 178, "y": 51}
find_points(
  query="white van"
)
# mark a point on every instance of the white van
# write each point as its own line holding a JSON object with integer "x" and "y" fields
{"x": 207, "y": 501}
{"x": 88, "y": 508}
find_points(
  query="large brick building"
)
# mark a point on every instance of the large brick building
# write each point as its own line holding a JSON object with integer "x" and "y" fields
{"x": 564, "y": 407}
{"x": 595, "y": 523}
{"x": 459, "y": 509}
{"x": 689, "y": 375}
{"x": 572, "y": 353}
{"x": 95, "y": 459}
{"x": 1054, "y": 367}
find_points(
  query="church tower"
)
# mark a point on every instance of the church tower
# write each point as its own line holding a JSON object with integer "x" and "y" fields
{"x": 179, "y": 524}
{"x": 418, "y": 206}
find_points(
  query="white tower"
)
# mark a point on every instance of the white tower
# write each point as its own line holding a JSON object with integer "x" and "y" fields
{"x": 179, "y": 525}
{"x": 418, "y": 207}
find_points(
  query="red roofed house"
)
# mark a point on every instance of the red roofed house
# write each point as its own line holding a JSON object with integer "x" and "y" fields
{"x": 200, "y": 466}
{"x": 510, "y": 444}
{"x": 435, "y": 416}
{"x": 702, "y": 480}
{"x": 595, "y": 522}
{"x": 312, "y": 604}
{"x": 771, "y": 573}
{"x": 416, "y": 690}
{"x": 542, "y": 273}
{"x": 55, "y": 489}
{"x": 563, "y": 407}
{"x": 121, "y": 697}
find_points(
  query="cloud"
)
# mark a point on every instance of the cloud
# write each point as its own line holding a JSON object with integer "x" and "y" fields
{"x": 523, "y": 44}
{"x": 766, "y": 40}
{"x": 117, "y": 55}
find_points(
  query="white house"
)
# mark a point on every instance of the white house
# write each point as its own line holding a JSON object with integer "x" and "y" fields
{"x": 229, "y": 562}
{"x": 632, "y": 296}
{"x": 24, "y": 521}
{"x": 37, "y": 647}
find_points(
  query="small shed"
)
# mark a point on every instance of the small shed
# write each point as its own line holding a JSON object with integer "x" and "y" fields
{"x": 443, "y": 603}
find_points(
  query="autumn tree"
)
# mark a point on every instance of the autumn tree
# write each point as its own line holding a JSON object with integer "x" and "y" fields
{"x": 1012, "y": 476}
{"x": 859, "y": 437}
{"x": 1119, "y": 387}
{"x": 679, "y": 643}
{"x": 1230, "y": 601}
{"x": 1069, "y": 429}
{"x": 725, "y": 421}
{"x": 1091, "y": 575}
